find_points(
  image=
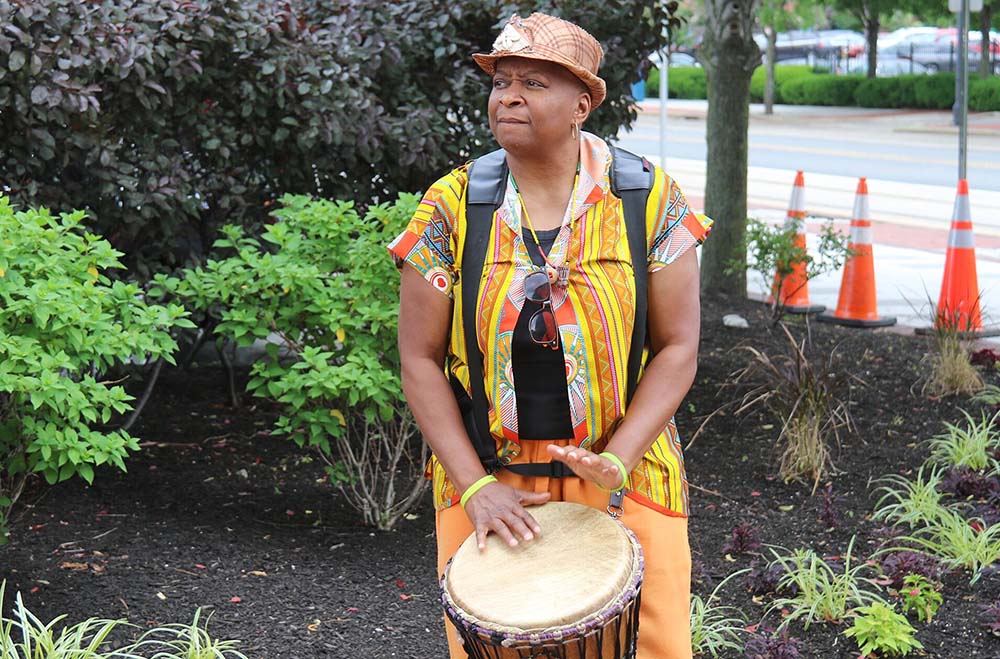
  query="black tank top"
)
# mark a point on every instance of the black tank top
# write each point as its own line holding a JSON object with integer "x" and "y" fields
{"x": 539, "y": 371}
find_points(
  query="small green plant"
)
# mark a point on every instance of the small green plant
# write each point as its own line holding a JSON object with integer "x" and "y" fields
{"x": 959, "y": 542}
{"x": 910, "y": 502}
{"x": 186, "y": 641}
{"x": 715, "y": 628}
{"x": 878, "y": 628}
{"x": 25, "y": 636}
{"x": 64, "y": 325}
{"x": 803, "y": 394}
{"x": 974, "y": 445}
{"x": 773, "y": 251}
{"x": 823, "y": 592}
{"x": 920, "y": 596}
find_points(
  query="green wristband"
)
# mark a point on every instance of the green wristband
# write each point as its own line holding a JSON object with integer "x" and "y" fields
{"x": 475, "y": 487}
{"x": 621, "y": 469}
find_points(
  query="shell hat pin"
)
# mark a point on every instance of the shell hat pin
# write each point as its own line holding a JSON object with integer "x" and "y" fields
{"x": 511, "y": 40}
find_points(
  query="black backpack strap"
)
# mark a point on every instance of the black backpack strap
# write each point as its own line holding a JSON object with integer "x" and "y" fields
{"x": 485, "y": 192}
{"x": 632, "y": 178}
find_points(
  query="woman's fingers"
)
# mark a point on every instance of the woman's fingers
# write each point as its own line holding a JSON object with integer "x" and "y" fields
{"x": 500, "y": 509}
{"x": 587, "y": 464}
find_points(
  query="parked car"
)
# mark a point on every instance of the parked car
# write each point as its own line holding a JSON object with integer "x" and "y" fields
{"x": 887, "y": 65}
{"x": 795, "y": 44}
{"x": 841, "y": 42}
{"x": 942, "y": 54}
{"x": 901, "y": 41}
{"x": 676, "y": 59}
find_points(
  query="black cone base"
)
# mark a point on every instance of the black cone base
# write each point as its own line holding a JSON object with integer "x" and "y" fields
{"x": 883, "y": 321}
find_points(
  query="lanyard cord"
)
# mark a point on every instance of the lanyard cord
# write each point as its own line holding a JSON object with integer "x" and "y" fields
{"x": 527, "y": 220}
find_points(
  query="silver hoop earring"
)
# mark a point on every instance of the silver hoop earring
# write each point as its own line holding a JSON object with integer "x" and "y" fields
{"x": 575, "y": 131}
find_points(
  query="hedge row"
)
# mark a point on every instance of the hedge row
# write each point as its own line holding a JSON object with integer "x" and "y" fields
{"x": 684, "y": 82}
{"x": 166, "y": 119}
{"x": 799, "y": 85}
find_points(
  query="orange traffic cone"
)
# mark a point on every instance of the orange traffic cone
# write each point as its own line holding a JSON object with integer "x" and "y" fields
{"x": 958, "y": 306}
{"x": 793, "y": 290}
{"x": 856, "y": 306}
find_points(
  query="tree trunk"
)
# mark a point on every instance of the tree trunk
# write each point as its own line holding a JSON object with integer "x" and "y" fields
{"x": 871, "y": 33}
{"x": 772, "y": 49}
{"x": 986, "y": 56}
{"x": 729, "y": 56}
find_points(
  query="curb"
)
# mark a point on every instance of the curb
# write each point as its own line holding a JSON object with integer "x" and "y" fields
{"x": 948, "y": 130}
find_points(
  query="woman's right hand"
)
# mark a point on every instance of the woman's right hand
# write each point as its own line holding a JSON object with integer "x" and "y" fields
{"x": 501, "y": 508}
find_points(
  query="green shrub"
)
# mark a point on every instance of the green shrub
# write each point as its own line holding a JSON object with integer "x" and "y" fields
{"x": 894, "y": 92}
{"x": 921, "y": 596}
{"x": 822, "y": 89}
{"x": 935, "y": 91}
{"x": 321, "y": 287}
{"x": 63, "y": 325}
{"x": 684, "y": 82}
{"x": 984, "y": 95}
{"x": 227, "y": 105}
{"x": 782, "y": 75}
{"x": 880, "y": 631}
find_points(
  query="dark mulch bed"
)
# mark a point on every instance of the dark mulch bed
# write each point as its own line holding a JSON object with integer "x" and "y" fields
{"x": 214, "y": 513}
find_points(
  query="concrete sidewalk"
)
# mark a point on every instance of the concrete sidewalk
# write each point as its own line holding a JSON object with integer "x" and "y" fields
{"x": 900, "y": 121}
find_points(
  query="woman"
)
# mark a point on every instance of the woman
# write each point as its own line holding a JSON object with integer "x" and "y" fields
{"x": 555, "y": 363}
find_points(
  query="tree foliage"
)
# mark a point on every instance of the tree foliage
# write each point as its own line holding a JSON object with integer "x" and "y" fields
{"x": 165, "y": 119}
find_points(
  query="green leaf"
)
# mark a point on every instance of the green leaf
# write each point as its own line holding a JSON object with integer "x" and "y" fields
{"x": 86, "y": 472}
{"x": 17, "y": 60}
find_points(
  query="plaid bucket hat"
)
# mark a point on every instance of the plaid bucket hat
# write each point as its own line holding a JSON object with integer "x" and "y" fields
{"x": 552, "y": 39}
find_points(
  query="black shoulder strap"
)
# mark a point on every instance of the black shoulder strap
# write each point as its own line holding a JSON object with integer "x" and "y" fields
{"x": 631, "y": 180}
{"x": 487, "y": 184}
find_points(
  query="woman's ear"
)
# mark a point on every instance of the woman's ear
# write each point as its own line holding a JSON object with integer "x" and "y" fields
{"x": 583, "y": 108}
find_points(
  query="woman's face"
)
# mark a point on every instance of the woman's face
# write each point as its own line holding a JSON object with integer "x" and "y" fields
{"x": 534, "y": 104}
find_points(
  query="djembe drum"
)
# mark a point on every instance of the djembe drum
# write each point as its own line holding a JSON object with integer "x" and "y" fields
{"x": 571, "y": 593}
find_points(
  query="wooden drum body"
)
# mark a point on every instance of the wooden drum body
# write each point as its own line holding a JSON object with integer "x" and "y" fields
{"x": 571, "y": 593}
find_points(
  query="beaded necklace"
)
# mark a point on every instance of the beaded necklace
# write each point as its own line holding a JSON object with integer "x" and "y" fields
{"x": 558, "y": 275}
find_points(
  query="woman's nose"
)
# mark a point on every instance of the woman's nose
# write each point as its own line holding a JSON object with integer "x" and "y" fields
{"x": 509, "y": 97}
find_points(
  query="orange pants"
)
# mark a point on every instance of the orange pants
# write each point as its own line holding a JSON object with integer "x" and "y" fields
{"x": 664, "y": 617}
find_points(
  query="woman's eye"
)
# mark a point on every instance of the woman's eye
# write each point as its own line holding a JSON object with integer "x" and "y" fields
{"x": 533, "y": 83}
{"x": 497, "y": 84}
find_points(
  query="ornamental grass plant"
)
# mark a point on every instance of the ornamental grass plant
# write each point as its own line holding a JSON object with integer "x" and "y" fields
{"x": 824, "y": 591}
{"x": 989, "y": 395}
{"x": 25, "y": 636}
{"x": 803, "y": 393}
{"x": 958, "y": 541}
{"x": 716, "y": 628}
{"x": 974, "y": 445}
{"x": 186, "y": 641}
{"x": 910, "y": 502}
{"x": 951, "y": 372}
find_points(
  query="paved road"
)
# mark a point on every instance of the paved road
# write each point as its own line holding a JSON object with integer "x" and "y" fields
{"x": 879, "y": 147}
{"x": 910, "y": 161}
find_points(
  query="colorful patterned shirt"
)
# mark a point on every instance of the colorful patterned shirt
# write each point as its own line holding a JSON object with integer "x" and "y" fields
{"x": 595, "y": 311}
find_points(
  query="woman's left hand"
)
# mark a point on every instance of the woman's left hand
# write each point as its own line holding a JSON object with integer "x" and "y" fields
{"x": 588, "y": 465}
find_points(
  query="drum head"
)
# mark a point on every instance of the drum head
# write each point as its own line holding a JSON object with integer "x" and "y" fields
{"x": 580, "y": 564}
